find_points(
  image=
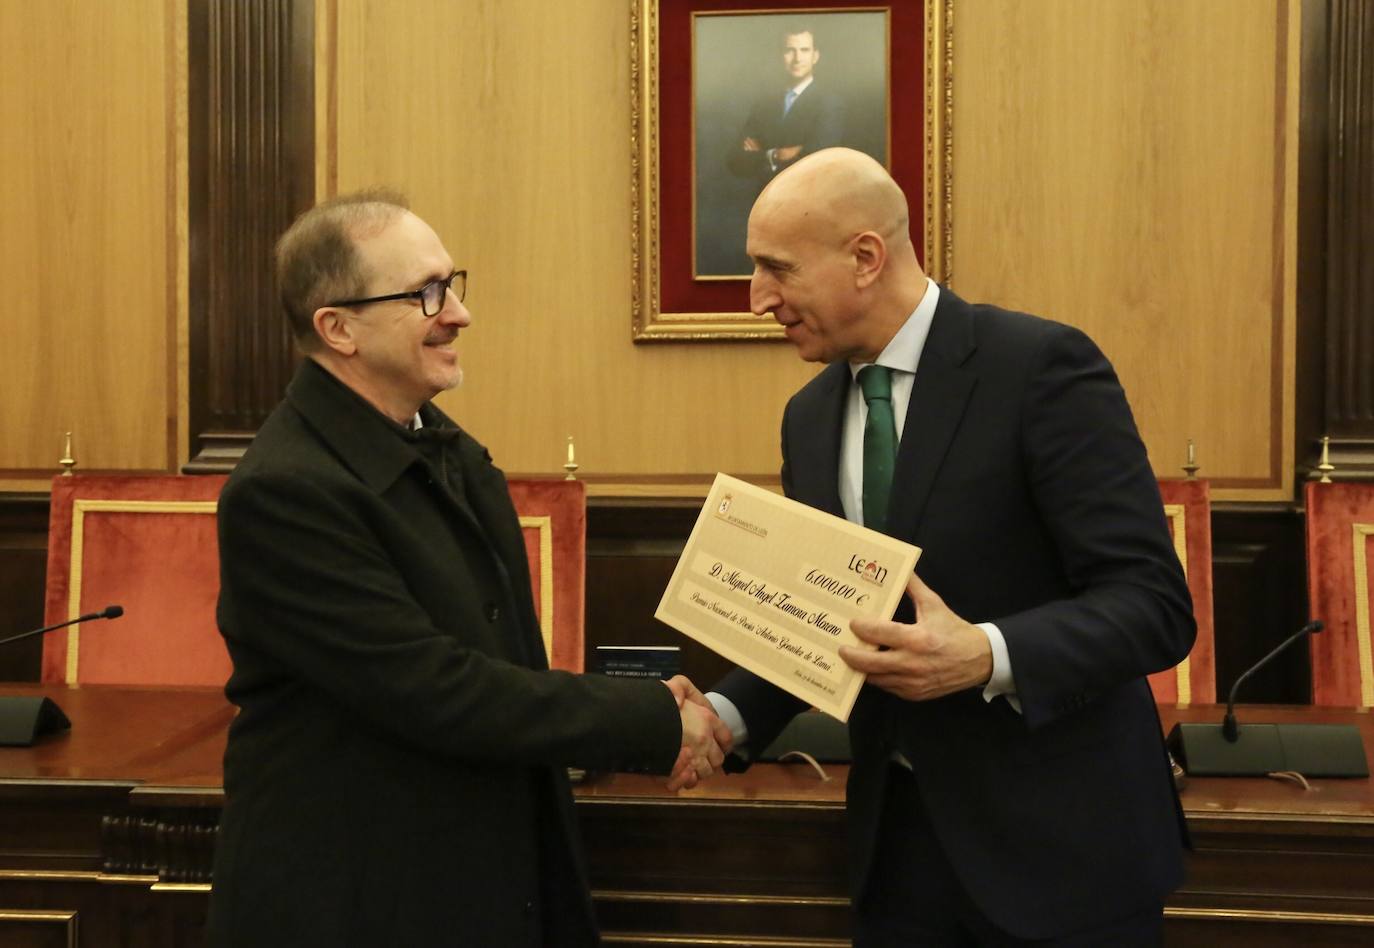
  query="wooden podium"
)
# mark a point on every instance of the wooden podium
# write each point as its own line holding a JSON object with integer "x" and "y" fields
{"x": 107, "y": 837}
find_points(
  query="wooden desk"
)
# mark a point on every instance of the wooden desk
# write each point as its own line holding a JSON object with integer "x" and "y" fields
{"x": 113, "y": 826}
{"x": 1272, "y": 863}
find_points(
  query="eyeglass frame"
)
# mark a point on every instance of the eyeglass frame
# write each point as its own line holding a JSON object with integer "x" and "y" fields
{"x": 416, "y": 295}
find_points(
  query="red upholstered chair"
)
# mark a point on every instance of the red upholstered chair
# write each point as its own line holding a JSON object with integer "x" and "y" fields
{"x": 146, "y": 543}
{"x": 553, "y": 519}
{"x": 1188, "y": 508}
{"x": 1340, "y": 580}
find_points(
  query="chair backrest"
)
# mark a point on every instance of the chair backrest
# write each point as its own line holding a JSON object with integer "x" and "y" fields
{"x": 147, "y": 543}
{"x": 1340, "y": 580}
{"x": 553, "y": 519}
{"x": 1188, "y": 509}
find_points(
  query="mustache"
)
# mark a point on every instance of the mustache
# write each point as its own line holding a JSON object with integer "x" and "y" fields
{"x": 441, "y": 339}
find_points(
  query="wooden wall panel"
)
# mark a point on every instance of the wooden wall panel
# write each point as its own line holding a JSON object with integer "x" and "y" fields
{"x": 1127, "y": 167}
{"x": 1349, "y": 390}
{"x": 251, "y": 143}
{"x": 508, "y": 125}
{"x": 88, "y": 249}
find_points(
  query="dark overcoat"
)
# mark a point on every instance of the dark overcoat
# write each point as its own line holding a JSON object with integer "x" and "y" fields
{"x": 396, "y": 773}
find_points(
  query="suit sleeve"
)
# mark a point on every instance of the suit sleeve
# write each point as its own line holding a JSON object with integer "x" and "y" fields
{"x": 751, "y": 164}
{"x": 1091, "y": 482}
{"x": 309, "y": 588}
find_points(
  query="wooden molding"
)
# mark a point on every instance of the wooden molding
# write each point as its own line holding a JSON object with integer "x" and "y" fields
{"x": 252, "y": 170}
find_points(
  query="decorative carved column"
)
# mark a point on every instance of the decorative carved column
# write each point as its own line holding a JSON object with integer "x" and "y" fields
{"x": 1347, "y": 291}
{"x": 252, "y": 127}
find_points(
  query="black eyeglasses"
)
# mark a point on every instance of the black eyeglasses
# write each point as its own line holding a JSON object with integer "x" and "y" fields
{"x": 431, "y": 295}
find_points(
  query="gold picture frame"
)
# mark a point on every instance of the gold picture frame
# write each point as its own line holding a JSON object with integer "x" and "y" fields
{"x": 649, "y": 320}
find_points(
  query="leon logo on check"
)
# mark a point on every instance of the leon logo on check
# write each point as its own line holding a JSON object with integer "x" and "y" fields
{"x": 868, "y": 570}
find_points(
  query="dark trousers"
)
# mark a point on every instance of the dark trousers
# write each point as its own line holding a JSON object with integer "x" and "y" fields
{"x": 913, "y": 896}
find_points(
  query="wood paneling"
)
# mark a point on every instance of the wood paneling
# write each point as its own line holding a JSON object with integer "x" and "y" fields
{"x": 23, "y": 571}
{"x": 1350, "y": 233}
{"x": 251, "y": 92}
{"x": 88, "y": 249}
{"x": 508, "y": 125}
{"x": 1126, "y": 167}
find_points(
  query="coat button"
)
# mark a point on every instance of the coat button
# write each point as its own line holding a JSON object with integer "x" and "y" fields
{"x": 493, "y": 612}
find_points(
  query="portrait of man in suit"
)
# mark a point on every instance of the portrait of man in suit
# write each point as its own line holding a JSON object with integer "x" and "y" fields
{"x": 768, "y": 90}
{"x": 808, "y": 116}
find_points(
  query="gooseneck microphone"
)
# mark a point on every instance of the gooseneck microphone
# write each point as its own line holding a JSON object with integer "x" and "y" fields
{"x": 1229, "y": 729}
{"x": 26, "y": 718}
{"x": 1230, "y": 749}
{"x": 109, "y": 612}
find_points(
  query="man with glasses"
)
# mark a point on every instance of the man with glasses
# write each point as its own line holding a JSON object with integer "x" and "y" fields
{"x": 396, "y": 772}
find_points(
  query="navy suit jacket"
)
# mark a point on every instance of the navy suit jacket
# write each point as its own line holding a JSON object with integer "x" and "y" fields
{"x": 1023, "y": 479}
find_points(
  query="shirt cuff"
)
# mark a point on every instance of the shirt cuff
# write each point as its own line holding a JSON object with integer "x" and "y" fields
{"x": 730, "y": 716}
{"x": 1001, "y": 682}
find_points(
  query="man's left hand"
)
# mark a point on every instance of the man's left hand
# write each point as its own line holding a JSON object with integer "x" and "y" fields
{"x": 938, "y": 655}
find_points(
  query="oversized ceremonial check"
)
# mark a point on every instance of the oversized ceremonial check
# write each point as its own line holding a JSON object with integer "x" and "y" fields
{"x": 771, "y": 584}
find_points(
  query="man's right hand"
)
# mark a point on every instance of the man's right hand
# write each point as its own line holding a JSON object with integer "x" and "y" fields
{"x": 705, "y": 739}
{"x": 751, "y": 144}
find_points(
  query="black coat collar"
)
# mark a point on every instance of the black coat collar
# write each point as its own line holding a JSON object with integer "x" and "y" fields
{"x": 375, "y": 448}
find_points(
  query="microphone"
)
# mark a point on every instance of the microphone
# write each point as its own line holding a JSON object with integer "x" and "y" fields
{"x": 1229, "y": 729}
{"x": 109, "y": 612}
{"x": 1255, "y": 750}
{"x": 25, "y": 718}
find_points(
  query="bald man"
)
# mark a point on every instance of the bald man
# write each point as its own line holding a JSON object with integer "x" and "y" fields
{"x": 1010, "y": 783}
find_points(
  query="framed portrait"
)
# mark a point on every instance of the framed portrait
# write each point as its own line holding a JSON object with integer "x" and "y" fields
{"x": 725, "y": 95}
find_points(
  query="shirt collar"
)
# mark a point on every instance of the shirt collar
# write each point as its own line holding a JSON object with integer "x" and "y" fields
{"x": 903, "y": 352}
{"x": 802, "y": 86}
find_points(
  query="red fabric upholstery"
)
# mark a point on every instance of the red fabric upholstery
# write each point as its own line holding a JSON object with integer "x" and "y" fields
{"x": 1188, "y": 508}
{"x": 1340, "y": 589}
{"x": 553, "y": 519}
{"x": 146, "y": 543}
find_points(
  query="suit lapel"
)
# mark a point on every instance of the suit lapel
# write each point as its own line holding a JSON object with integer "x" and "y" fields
{"x": 814, "y": 457}
{"x": 938, "y": 399}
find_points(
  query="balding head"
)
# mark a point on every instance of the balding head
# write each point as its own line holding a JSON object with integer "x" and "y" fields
{"x": 842, "y": 192}
{"x": 833, "y": 255}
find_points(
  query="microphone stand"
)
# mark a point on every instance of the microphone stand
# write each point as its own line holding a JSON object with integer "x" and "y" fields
{"x": 1231, "y": 749}
{"x": 25, "y": 718}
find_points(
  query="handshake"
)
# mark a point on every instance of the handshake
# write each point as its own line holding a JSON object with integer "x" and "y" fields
{"x": 705, "y": 738}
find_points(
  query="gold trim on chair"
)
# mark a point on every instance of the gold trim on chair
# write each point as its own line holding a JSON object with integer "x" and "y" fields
{"x": 1361, "y": 533}
{"x": 1176, "y": 515}
{"x": 82, "y": 506}
{"x": 545, "y": 527}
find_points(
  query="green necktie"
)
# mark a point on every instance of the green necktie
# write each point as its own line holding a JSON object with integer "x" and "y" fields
{"x": 880, "y": 443}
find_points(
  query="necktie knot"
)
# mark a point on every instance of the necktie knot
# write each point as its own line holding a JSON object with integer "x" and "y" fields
{"x": 875, "y": 381}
